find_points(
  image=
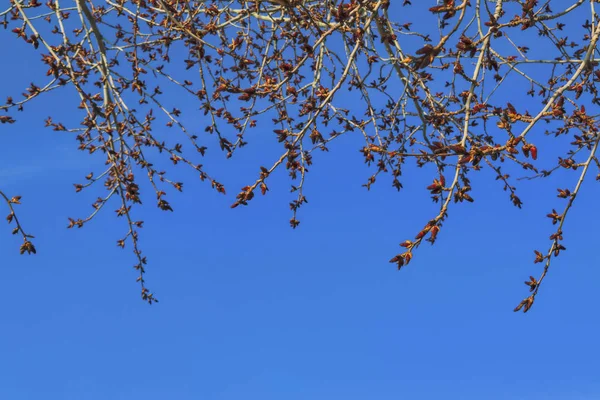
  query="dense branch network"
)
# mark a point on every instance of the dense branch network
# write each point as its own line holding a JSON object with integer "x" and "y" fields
{"x": 435, "y": 93}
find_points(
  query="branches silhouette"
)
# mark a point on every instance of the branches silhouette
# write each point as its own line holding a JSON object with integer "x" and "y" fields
{"x": 432, "y": 86}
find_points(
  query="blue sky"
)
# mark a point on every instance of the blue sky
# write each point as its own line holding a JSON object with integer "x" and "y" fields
{"x": 251, "y": 309}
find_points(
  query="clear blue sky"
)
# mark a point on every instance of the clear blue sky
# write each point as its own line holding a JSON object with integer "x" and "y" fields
{"x": 251, "y": 309}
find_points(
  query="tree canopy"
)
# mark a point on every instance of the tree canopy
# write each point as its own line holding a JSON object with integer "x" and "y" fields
{"x": 453, "y": 88}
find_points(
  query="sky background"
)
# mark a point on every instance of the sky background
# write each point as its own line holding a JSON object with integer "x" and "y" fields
{"x": 251, "y": 309}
